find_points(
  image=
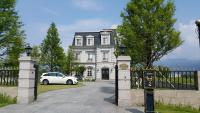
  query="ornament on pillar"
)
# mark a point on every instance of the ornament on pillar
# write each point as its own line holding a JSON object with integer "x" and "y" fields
{"x": 28, "y": 49}
{"x": 122, "y": 49}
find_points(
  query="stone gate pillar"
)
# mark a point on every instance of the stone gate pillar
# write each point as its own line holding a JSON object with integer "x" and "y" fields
{"x": 26, "y": 81}
{"x": 124, "y": 96}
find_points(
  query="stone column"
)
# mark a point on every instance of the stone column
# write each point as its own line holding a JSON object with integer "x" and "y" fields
{"x": 26, "y": 80}
{"x": 198, "y": 80}
{"x": 124, "y": 98}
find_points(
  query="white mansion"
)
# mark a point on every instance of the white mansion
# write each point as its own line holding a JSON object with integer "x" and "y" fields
{"x": 95, "y": 51}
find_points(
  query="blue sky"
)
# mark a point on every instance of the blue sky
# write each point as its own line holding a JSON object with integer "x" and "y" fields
{"x": 93, "y": 15}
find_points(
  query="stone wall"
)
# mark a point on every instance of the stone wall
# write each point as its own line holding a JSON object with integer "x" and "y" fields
{"x": 184, "y": 97}
{"x": 10, "y": 91}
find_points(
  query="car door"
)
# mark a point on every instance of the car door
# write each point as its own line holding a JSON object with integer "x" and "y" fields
{"x": 60, "y": 78}
{"x": 52, "y": 78}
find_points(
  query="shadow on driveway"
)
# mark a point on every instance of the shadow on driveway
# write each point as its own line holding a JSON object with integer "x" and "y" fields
{"x": 110, "y": 99}
{"x": 109, "y": 90}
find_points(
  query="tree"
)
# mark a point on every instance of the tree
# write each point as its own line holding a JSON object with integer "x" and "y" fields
{"x": 52, "y": 54}
{"x": 35, "y": 54}
{"x": 79, "y": 70}
{"x": 70, "y": 64}
{"x": 147, "y": 30}
{"x": 11, "y": 35}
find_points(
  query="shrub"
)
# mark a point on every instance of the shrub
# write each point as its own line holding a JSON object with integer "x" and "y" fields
{"x": 6, "y": 100}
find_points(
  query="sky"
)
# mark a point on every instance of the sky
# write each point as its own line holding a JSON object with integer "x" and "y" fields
{"x": 73, "y": 16}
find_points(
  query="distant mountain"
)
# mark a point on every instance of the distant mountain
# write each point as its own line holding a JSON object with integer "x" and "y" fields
{"x": 184, "y": 64}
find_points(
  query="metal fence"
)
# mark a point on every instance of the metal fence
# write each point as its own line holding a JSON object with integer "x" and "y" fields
{"x": 9, "y": 76}
{"x": 165, "y": 79}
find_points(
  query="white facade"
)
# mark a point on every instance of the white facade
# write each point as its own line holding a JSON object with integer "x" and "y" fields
{"x": 96, "y": 53}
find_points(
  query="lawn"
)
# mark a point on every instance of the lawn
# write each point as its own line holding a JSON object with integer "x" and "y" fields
{"x": 46, "y": 88}
{"x": 161, "y": 108}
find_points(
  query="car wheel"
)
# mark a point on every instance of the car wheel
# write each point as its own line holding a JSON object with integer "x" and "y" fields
{"x": 45, "y": 82}
{"x": 69, "y": 82}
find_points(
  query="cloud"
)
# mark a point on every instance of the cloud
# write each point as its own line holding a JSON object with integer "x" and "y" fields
{"x": 114, "y": 26}
{"x": 190, "y": 47}
{"x": 86, "y": 25}
{"x": 91, "y": 5}
{"x": 36, "y": 32}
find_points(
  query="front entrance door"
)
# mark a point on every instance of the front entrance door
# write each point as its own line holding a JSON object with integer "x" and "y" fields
{"x": 105, "y": 73}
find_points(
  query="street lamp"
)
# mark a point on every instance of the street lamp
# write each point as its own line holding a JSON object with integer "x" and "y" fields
{"x": 28, "y": 49}
{"x": 197, "y": 22}
{"x": 122, "y": 49}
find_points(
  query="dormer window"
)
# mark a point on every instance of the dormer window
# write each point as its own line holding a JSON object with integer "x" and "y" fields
{"x": 90, "y": 40}
{"x": 78, "y": 41}
{"x": 105, "y": 38}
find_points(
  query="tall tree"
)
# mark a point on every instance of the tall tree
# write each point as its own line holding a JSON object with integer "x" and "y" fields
{"x": 147, "y": 30}
{"x": 70, "y": 57}
{"x": 52, "y": 54}
{"x": 35, "y": 53}
{"x": 11, "y": 35}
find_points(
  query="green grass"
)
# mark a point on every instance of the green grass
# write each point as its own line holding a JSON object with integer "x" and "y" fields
{"x": 6, "y": 100}
{"x": 46, "y": 88}
{"x": 162, "y": 108}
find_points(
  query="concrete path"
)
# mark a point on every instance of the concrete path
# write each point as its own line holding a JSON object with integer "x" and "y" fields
{"x": 95, "y": 97}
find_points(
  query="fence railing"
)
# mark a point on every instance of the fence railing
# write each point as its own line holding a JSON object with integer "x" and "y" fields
{"x": 9, "y": 76}
{"x": 185, "y": 80}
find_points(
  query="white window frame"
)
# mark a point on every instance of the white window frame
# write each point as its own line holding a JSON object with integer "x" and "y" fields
{"x": 105, "y": 56}
{"x": 77, "y": 56}
{"x": 90, "y": 56}
{"x": 105, "y": 38}
{"x": 76, "y": 41}
{"x": 91, "y": 38}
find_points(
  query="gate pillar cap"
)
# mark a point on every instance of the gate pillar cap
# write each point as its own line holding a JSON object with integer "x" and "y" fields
{"x": 26, "y": 58}
{"x": 123, "y": 58}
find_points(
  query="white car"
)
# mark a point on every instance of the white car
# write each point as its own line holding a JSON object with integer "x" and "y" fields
{"x": 57, "y": 78}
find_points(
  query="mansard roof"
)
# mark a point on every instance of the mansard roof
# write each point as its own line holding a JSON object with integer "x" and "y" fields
{"x": 97, "y": 37}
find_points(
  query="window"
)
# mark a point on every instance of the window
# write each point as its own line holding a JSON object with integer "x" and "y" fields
{"x": 52, "y": 74}
{"x": 89, "y": 72}
{"x": 89, "y": 56}
{"x": 59, "y": 75}
{"x": 90, "y": 41}
{"x": 77, "y": 56}
{"x": 78, "y": 42}
{"x": 104, "y": 40}
{"x": 105, "y": 56}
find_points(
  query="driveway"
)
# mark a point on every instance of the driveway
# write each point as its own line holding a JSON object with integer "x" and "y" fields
{"x": 95, "y": 97}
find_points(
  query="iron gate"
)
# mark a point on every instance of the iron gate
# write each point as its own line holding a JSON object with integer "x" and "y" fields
{"x": 166, "y": 79}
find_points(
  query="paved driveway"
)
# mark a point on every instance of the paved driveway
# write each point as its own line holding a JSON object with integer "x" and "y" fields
{"x": 95, "y": 97}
